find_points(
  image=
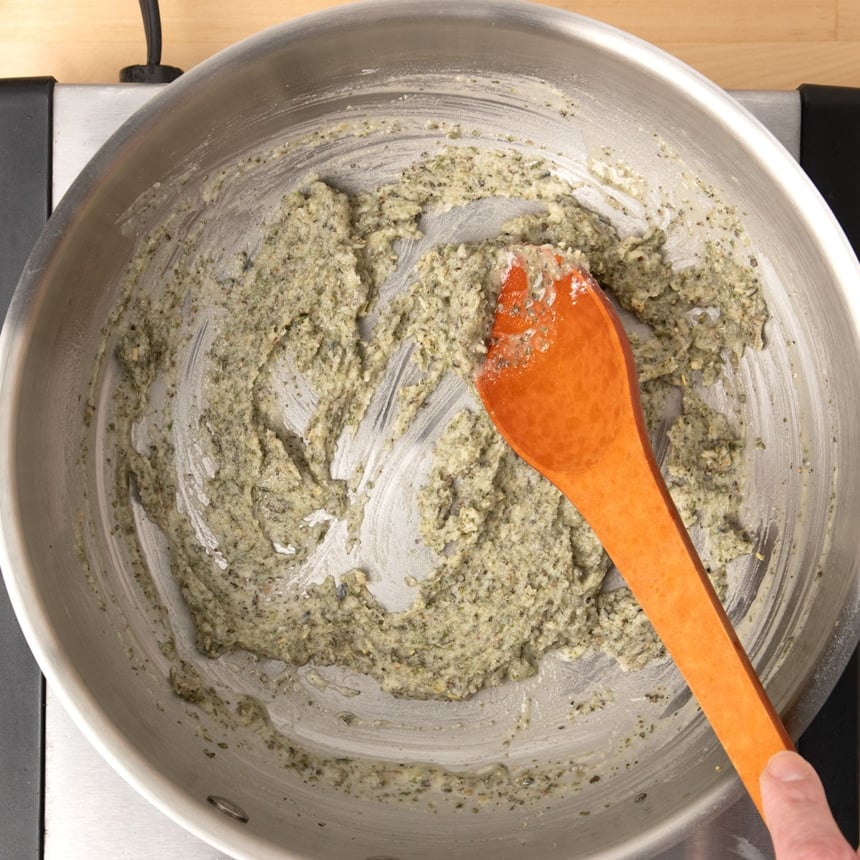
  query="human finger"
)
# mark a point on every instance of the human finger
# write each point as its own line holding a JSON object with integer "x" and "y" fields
{"x": 797, "y": 813}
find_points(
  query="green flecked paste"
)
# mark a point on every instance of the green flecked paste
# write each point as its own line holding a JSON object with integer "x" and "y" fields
{"x": 517, "y": 571}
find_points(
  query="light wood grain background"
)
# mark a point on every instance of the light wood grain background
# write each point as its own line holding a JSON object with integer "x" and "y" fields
{"x": 745, "y": 44}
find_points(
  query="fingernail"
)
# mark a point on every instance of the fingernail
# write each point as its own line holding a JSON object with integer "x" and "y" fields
{"x": 788, "y": 767}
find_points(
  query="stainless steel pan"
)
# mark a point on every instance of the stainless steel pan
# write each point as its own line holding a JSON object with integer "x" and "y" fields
{"x": 571, "y": 88}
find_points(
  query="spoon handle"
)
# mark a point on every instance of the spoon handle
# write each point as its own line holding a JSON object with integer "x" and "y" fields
{"x": 624, "y": 499}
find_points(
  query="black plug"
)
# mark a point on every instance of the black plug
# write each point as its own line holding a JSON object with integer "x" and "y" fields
{"x": 153, "y": 72}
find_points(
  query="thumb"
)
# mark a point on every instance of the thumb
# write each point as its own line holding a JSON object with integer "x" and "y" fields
{"x": 797, "y": 814}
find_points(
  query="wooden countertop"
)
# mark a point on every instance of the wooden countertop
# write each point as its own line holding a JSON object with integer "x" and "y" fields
{"x": 743, "y": 44}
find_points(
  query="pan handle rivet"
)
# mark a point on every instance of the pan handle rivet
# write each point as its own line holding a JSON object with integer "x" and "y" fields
{"x": 233, "y": 810}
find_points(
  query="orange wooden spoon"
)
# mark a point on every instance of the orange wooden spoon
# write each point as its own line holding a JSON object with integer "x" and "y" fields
{"x": 560, "y": 385}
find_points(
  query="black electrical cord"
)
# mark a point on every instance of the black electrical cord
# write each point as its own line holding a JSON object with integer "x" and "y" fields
{"x": 152, "y": 28}
{"x": 153, "y": 72}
